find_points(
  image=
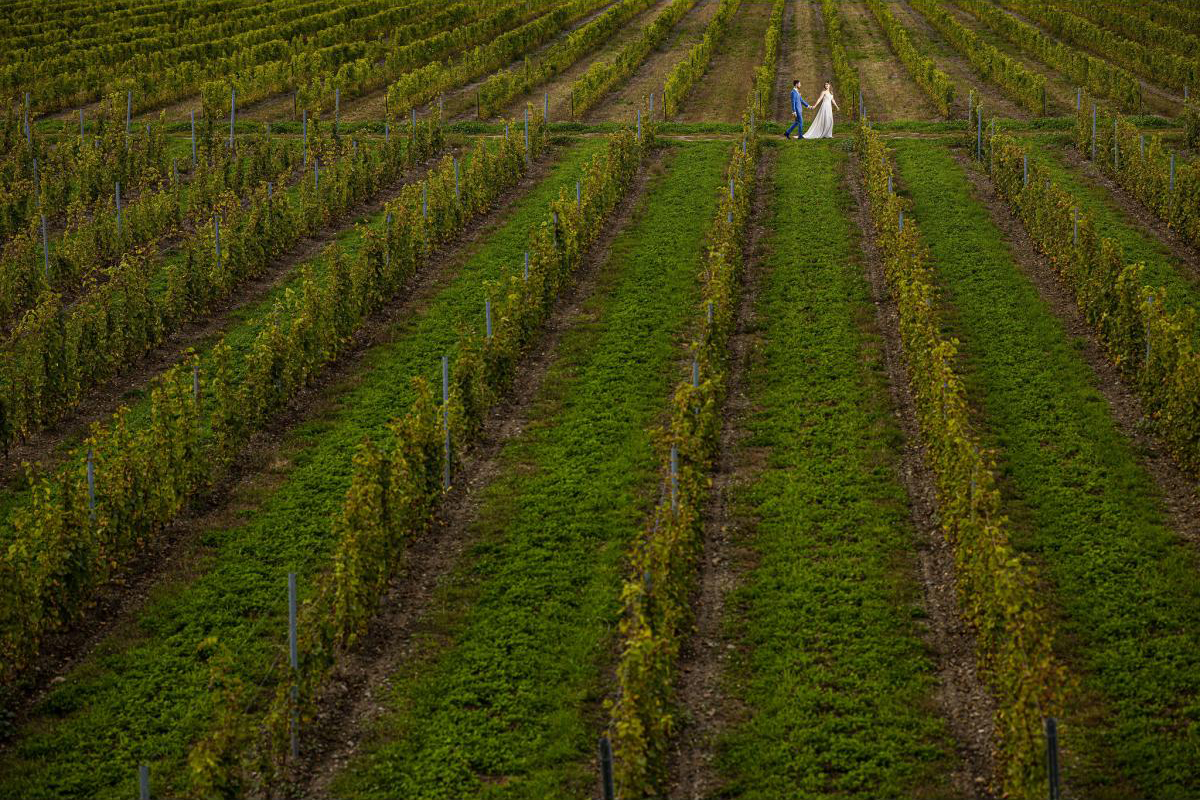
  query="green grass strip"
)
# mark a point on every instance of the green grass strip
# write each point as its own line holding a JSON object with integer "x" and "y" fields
{"x": 1123, "y": 582}
{"x": 834, "y": 674}
{"x": 1113, "y": 222}
{"x": 142, "y": 697}
{"x": 504, "y": 701}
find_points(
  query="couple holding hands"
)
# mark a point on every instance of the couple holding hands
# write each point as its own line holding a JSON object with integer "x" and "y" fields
{"x": 822, "y": 124}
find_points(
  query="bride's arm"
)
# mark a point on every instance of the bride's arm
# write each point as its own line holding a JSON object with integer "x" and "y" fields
{"x": 835, "y": 105}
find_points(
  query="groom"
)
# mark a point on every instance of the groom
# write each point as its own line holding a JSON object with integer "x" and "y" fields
{"x": 797, "y": 104}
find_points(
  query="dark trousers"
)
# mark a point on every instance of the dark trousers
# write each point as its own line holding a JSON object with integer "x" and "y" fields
{"x": 799, "y": 123}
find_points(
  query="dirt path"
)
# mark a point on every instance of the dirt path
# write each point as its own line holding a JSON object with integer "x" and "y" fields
{"x": 368, "y": 106}
{"x": 44, "y": 447}
{"x": 173, "y": 556}
{"x": 178, "y": 110}
{"x": 622, "y": 104}
{"x": 962, "y": 697}
{"x": 459, "y": 103}
{"x": 559, "y": 87}
{"x": 275, "y": 108}
{"x": 1156, "y": 98}
{"x": 1060, "y": 92}
{"x": 348, "y": 710}
{"x": 889, "y": 92}
{"x": 803, "y": 55}
{"x": 1178, "y": 491}
{"x": 720, "y": 95}
{"x": 704, "y": 657}
{"x": 930, "y": 41}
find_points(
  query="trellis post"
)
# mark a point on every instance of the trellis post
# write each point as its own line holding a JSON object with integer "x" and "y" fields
{"x": 91, "y": 484}
{"x": 674, "y": 477}
{"x": 446, "y": 418}
{"x": 1052, "y": 756}
{"x": 1116, "y": 148}
{"x": 607, "y": 791}
{"x": 1093, "y": 131}
{"x": 992, "y": 146}
{"x": 294, "y": 663}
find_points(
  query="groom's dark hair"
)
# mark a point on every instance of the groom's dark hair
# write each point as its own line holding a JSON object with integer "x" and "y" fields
{"x": 796, "y": 82}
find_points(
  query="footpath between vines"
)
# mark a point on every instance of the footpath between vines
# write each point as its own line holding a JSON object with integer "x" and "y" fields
{"x": 523, "y": 706}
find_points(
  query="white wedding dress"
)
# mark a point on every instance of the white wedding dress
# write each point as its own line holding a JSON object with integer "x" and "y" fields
{"x": 822, "y": 125}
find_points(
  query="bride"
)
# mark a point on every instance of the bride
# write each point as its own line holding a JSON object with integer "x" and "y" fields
{"x": 822, "y": 124}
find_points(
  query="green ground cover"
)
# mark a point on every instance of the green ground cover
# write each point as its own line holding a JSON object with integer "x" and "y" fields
{"x": 504, "y": 698}
{"x": 1113, "y": 222}
{"x": 1083, "y": 508}
{"x": 141, "y": 697}
{"x": 832, "y": 670}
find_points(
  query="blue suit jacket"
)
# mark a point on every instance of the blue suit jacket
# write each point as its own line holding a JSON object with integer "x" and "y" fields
{"x": 798, "y": 101}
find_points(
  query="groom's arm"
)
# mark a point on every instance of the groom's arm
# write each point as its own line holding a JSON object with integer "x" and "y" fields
{"x": 806, "y": 105}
